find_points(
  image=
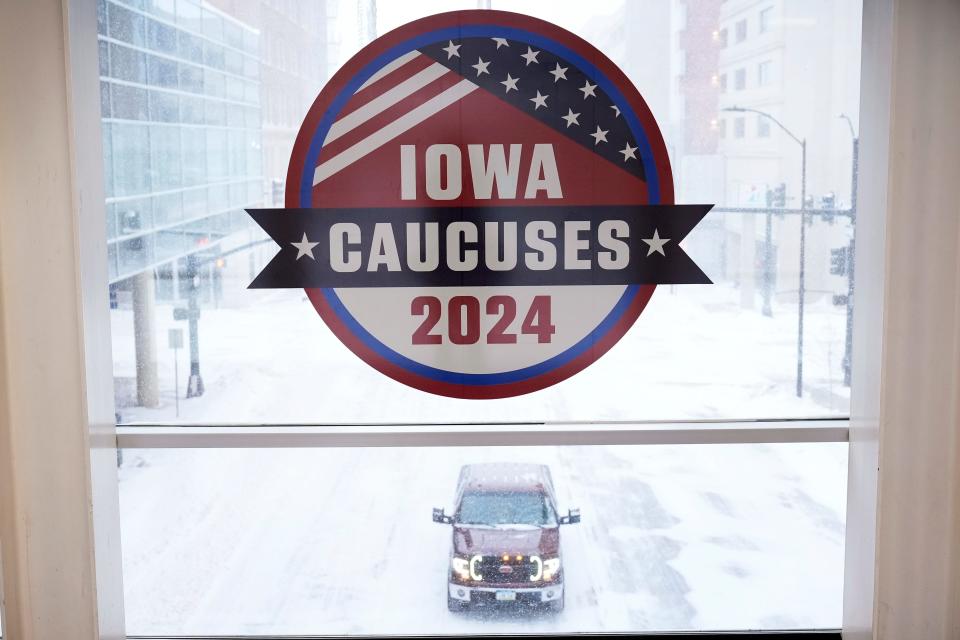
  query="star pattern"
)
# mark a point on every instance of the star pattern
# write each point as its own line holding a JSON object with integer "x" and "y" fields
{"x": 539, "y": 101}
{"x": 481, "y": 67}
{"x": 452, "y": 50}
{"x": 530, "y": 56}
{"x": 656, "y": 244}
{"x": 600, "y": 135}
{"x": 548, "y": 88}
{"x": 304, "y": 247}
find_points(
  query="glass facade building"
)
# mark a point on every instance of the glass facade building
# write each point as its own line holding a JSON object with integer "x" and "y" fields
{"x": 180, "y": 101}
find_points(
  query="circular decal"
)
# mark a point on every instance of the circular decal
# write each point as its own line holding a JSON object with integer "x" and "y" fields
{"x": 479, "y": 204}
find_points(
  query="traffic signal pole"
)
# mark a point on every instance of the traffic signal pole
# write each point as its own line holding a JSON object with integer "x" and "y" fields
{"x": 194, "y": 382}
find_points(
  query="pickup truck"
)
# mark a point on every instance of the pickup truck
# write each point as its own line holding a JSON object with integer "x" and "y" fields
{"x": 506, "y": 537}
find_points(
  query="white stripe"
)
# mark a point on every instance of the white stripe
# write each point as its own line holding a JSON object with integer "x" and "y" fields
{"x": 390, "y": 66}
{"x": 384, "y": 101}
{"x": 404, "y": 123}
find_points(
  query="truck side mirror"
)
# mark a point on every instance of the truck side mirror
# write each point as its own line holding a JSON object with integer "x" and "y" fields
{"x": 572, "y": 517}
{"x": 441, "y": 517}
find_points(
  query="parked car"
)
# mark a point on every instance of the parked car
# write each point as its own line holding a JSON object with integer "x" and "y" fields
{"x": 506, "y": 537}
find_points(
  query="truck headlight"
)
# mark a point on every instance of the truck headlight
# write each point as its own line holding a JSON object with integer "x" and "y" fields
{"x": 551, "y": 567}
{"x": 544, "y": 569}
{"x": 474, "y": 561}
{"x": 460, "y": 567}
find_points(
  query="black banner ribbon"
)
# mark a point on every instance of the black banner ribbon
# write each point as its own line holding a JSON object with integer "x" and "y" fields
{"x": 479, "y": 246}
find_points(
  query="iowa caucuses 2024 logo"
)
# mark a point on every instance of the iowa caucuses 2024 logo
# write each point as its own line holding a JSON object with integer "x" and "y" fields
{"x": 479, "y": 205}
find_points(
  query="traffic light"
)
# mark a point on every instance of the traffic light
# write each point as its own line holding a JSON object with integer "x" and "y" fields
{"x": 778, "y": 199}
{"x": 838, "y": 261}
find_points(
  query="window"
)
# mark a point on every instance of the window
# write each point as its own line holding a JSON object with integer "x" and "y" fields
{"x": 766, "y": 17}
{"x": 738, "y": 127}
{"x": 764, "y": 73}
{"x": 201, "y": 102}
{"x": 763, "y": 127}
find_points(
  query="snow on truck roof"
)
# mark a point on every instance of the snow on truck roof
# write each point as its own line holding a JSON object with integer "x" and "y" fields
{"x": 505, "y": 475}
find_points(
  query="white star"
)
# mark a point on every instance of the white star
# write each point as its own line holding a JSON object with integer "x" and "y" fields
{"x": 600, "y": 135}
{"x": 501, "y": 42}
{"x": 571, "y": 118}
{"x": 530, "y": 56}
{"x": 628, "y": 152}
{"x": 616, "y": 109}
{"x": 587, "y": 89}
{"x": 656, "y": 244}
{"x": 452, "y": 50}
{"x": 481, "y": 67}
{"x": 305, "y": 247}
{"x": 560, "y": 73}
{"x": 539, "y": 101}
{"x": 510, "y": 83}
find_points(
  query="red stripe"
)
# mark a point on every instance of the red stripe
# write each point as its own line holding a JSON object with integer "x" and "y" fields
{"x": 386, "y": 83}
{"x": 388, "y": 116}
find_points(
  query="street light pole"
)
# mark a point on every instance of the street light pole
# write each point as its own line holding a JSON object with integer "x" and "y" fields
{"x": 801, "y": 289}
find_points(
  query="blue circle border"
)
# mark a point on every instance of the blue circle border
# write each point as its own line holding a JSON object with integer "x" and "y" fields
{"x": 479, "y": 31}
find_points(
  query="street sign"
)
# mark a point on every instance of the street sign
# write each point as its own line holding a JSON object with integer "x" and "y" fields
{"x": 479, "y": 205}
{"x": 183, "y": 313}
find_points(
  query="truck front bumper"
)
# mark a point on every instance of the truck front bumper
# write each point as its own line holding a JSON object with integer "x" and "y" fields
{"x": 465, "y": 594}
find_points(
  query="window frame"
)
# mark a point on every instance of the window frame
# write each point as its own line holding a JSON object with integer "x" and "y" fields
{"x": 80, "y": 29}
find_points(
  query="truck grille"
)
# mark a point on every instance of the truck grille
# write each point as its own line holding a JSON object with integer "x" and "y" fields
{"x": 492, "y": 568}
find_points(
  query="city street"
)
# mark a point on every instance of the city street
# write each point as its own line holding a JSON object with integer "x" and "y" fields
{"x": 338, "y": 541}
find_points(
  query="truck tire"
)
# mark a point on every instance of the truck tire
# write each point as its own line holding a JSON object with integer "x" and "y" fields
{"x": 455, "y": 605}
{"x": 556, "y": 606}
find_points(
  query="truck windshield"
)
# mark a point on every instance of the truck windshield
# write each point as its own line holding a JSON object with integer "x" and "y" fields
{"x": 505, "y": 507}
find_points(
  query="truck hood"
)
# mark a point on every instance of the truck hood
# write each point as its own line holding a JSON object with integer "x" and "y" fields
{"x": 525, "y": 540}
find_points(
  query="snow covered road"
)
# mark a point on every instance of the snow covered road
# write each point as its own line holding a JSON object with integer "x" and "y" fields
{"x": 336, "y": 542}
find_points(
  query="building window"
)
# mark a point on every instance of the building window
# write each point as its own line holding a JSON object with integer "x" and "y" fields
{"x": 739, "y": 127}
{"x": 742, "y": 30}
{"x": 723, "y": 38}
{"x": 766, "y": 17}
{"x": 763, "y": 127}
{"x": 722, "y": 125}
{"x": 723, "y": 83}
{"x": 765, "y": 73}
{"x": 740, "y": 79}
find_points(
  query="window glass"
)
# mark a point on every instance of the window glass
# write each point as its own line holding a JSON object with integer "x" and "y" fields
{"x": 764, "y": 71}
{"x": 766, "y": 16}
{"x": 202, "y": 102}
{"x": 341, "y": 541}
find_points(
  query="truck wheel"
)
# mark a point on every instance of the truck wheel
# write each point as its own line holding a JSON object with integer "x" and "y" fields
{"x": 556, "y": 606}
{"x": 455, "y": 605}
